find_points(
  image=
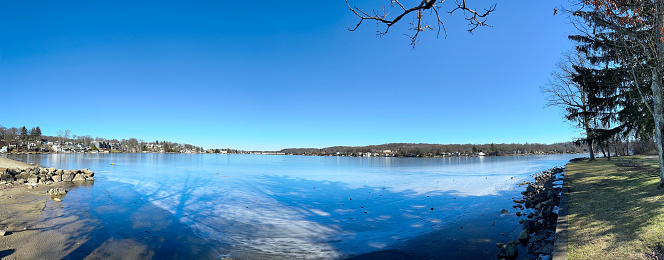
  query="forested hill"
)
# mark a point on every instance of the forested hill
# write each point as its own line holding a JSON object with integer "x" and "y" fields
{"x": 433, "y": 150}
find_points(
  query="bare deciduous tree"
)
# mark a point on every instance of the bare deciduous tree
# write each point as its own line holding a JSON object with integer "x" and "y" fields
{"x": 562, "y": 91}
{"x": 418, "y": 24}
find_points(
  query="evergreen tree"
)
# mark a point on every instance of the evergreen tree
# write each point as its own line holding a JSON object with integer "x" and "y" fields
{"x": 626, "y": 38}
{"x": 24, "y": 133}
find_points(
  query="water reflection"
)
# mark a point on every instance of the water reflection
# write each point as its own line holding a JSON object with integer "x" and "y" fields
{"x": 312, "y": 207}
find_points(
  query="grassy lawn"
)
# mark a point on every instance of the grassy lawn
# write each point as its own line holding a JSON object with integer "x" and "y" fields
{"x": 615, "y": 212}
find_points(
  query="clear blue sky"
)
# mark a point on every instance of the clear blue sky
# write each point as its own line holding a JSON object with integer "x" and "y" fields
{"x": 266, "y": 75}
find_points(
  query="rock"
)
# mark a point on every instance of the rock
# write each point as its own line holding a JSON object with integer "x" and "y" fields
{"x": 546, "y": 248}
{"x": 57, "y": 199}
{"x": 509, "y": 251}
{"x": 523, "y": 236}
{"x": 519, "y": 201}
{"x": 52, "y": 169}
{"x": 88, "y": 173}
{"x": 518, "y": 214}
{"x": 6, "y": 177}
{"x": 2, "y": 232}
{"x": 59, "y": 172}
{"x": 500, "y": 245}
{"x": 67, "y": 177}
{"x": 79, "y": 177}
{"x": 548, "y": 202}
{"x": 504, "y": 211}
{"x": 528, "y": 204}
{"x": 90, "y": 179}
{"x": 546, "y": 212}
{"x": 550, "y": 194}
{"x": 527, "y": 225}
{"x": 56, "y": 178}
{"x": 520, "y": 221}
{"x": 548, "y": 184}
{"x": 33, "y": 179}
{"x": 530, "y": 215}
{"x": 530, "y": 188}
{"x": 48, "y": 182}
{"x": 57, "y": 192}
{"x": 539, "y": 237}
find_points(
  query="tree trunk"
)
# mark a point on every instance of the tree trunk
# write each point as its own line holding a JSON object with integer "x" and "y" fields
{"x": 590, "y": 140}
{"x": 601, "y": 148}
{"x": 658, "y": 116}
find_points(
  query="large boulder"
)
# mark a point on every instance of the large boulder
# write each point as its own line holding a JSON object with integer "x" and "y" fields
{"x": 67, "y": 177}
{"x": 56, "y": 178}
{"x": 79, "y": 177}
{"x": 89, "y": 173}
{"x": 6, "y": 178}
{"x": 59, "y": 172}
{"x": 509, "y": 251}
{"x": 33, "y": 179}
{"x": 524, "y": 235}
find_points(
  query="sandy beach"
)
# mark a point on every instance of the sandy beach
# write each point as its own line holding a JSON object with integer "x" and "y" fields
{"x": 30, "y": 232}
{"x": 28, "y": 235}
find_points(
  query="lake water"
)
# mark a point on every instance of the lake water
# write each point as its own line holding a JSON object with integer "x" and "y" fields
{"x": 299, "y": 207}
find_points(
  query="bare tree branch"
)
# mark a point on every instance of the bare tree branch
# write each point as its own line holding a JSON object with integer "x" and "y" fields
{"x": 474, "y": 17}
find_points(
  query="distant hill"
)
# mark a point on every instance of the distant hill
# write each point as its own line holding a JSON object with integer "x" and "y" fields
{"x": 435, "y": 150}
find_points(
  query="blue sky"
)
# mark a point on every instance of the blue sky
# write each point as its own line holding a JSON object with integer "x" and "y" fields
{"x": 266, "y": 75}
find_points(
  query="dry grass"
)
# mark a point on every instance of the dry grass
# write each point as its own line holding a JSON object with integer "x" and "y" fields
{"x": 615, "y": 212}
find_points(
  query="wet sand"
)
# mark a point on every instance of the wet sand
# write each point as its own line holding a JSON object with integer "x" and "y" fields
{"x": 28, "y": 235}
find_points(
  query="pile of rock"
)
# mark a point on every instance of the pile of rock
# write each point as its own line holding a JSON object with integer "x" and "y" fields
{"x": 42, "y": 175}
{"x": 538, "y": 229}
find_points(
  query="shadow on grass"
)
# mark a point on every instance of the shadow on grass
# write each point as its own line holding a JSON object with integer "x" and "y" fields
{"x": 615, "y": 211}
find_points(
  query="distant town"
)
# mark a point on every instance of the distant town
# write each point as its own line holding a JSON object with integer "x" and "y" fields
{"x": 23, "y": 140}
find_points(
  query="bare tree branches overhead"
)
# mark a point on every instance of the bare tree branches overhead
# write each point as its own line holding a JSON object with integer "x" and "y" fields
{"x": 418, "y": 24}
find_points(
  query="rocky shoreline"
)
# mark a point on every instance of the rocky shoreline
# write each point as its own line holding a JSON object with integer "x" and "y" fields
{"x": 539, "y": 226}
{"x": 43, "y": 175}
{"x": 32, "y": 176}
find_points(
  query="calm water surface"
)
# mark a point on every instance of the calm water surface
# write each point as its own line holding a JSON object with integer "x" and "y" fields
{"x": 299, "y": 207}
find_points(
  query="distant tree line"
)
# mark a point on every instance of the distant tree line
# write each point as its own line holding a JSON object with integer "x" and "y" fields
{"x": 432, "y": 150}
{"x": 13, "y": 135}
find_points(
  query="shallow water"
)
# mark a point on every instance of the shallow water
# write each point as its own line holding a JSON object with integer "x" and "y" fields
{"x": 300, "y": 207}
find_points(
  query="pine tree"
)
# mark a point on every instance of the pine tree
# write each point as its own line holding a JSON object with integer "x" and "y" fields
{"x": 24, "y": 133}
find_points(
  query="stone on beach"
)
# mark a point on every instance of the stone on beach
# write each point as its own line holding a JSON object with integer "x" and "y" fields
{"x": 33, "y": 179}
{"x": 67, "y": 177}
{"x": 79, "y": 177}
{"x": 57, "y": 192}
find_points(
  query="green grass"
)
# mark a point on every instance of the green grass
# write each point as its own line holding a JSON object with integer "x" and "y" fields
{"x": 615, "y": 212}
